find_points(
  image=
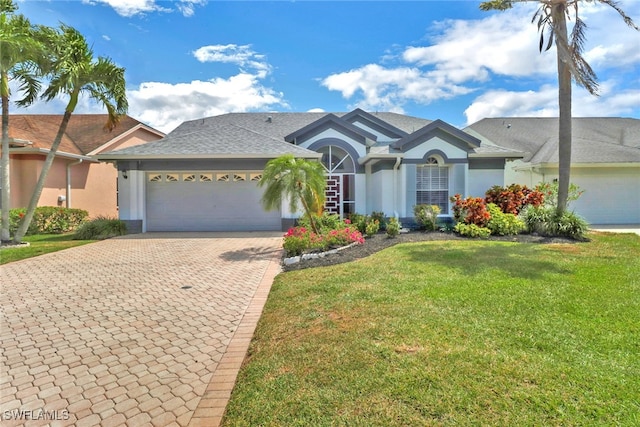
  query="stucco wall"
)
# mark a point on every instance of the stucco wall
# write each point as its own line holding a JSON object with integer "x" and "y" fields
{"x": 480, "y": 180}
{"x": 93, "y": 185}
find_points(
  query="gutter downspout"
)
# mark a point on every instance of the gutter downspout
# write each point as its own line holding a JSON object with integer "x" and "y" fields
{"x": 396, "y": 167}
{"x": 69, "y": 180}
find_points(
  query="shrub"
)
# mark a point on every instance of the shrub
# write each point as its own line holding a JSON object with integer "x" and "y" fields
{"x": 359, "y": 221}
{"x": 426, "y": 216}
{"x": 393, "y": 227}
{"x": 471, "y": 230}
{"x": 472, "y": 210}
{"x": 569, "y": 224}
{"x": 299, "y": 240}
{"x": 296, "y": 241}
{"x": 100, "y": 228}
{"x": 341, "y": 237}
{"x": 503, "y": 224}
{"x": 382, "y": 220}
{"x": 372, "y": 227}
{"x": 326, "y": 221}
{"x": 513, "y": 198}
{"x": 536, "y": 218}
{"x": 545, "y": 221}
{"x": 550, "y": 191}
{"x": 48, "y": 219}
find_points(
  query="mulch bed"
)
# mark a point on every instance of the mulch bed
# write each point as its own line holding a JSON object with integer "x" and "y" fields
{"x": 381, "y": 241}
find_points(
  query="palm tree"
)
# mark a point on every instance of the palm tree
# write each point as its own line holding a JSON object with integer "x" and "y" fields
{"x": 18, "y": 50}
{"x": 297, "y": 180}
{"x": 552, "y": 18}
{"x": 74, "y": 71}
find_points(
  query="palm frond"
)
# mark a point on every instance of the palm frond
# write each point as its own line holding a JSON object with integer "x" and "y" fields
{"x": 584, "y": 74}
{"x": 621, "y": 12}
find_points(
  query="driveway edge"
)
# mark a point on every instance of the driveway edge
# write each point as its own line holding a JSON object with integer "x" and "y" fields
{"x": 213, "y": 403}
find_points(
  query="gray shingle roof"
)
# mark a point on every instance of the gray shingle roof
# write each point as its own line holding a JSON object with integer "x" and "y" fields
{"x": 243, "y": 135}
{"x": 595, "y": 140}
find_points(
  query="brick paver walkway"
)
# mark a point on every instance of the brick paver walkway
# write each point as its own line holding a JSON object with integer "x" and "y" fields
{"x": 133, "y": 331}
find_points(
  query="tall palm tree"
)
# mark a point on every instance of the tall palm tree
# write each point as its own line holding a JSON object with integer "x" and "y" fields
{"x": 552, "y": 18}
{"x": 74, "y": 71}
{"x": 297, "y": 180}
{"x": 18, "y": 51}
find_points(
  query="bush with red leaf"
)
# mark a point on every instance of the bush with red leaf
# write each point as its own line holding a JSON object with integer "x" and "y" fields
{"x": 472, "y": 210}
{"x": 513, "y": 198}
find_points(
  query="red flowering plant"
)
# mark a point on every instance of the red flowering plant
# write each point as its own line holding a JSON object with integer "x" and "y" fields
{"x": 299, "y": 240}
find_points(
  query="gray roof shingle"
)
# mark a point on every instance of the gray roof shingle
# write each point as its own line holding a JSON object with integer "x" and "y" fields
{"x": 595, "y": 139}
{"x": 243, "y": 135}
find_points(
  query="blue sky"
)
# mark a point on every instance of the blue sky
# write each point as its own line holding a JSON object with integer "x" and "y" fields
{"x": 433, "y": 59}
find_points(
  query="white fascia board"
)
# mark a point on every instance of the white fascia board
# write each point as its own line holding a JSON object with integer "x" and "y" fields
{"x": 374, "y": 157}
{"x": 513, "y": 155}
{"x": 124, "y": 135}
{"x": 58, "y": 153}
{"x": 583, "y": 165}
{"x": 103, "y": 157}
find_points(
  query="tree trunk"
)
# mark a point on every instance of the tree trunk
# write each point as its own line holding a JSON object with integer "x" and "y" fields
{"x": 564, "y": 104}
{"x": 4, "y": 162}
{"x": 35, "y": 197}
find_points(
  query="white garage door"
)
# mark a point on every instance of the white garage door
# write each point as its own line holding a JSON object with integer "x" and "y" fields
{"x": 611, "y": 196}
{"x": 207, "y": 201}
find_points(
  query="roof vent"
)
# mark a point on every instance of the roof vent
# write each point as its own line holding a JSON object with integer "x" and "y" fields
{"x": 269, "y": 119}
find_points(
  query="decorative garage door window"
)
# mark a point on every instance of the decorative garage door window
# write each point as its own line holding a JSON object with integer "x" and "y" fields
{"x": 432, "y": 185}
{"x": 340, "y": 190}
{"x": 205, "y": 177}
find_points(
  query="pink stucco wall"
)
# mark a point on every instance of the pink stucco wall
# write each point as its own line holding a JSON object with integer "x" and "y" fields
{"x": 93, "y": 185}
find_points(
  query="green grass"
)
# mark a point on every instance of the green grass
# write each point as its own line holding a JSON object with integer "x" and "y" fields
{"x": 40, "y": 244}
{"x": 451, "y": 333}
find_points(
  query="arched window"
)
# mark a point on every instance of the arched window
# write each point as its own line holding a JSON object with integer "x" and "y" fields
{"x": 336, "y": 160}
{"x": 432, "y": 184}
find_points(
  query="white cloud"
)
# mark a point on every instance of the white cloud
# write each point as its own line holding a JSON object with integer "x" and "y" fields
{"x": 463, "y": 54}
{"x": 129, "y": 8}
{"x": 543, "y": 102}
{"x": 164, "y": 105}
{"x": 388, "y": 89}
{"x": 242, "y": 56}
{"x": 188, "y": 7}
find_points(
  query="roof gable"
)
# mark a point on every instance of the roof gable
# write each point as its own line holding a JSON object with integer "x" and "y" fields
{"x": 330, "y": 121}
{"x": 85, "y": 133}
{"x": 374, "y": 123}
{"x": 441, "y": 129}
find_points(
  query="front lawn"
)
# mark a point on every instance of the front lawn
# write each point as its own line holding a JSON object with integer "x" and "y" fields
{"x": 451, "y": 333}
{"x": 40, "y": 244}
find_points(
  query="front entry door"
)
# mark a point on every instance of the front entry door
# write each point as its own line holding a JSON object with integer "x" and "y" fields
{"x": 340, "y": 194}
{"x": 340, "y": 191}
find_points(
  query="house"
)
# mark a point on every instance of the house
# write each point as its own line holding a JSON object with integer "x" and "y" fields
{"x": 203, "y": 175}
{"x": 605, "y": 161}
{"x": 76, "y": 179}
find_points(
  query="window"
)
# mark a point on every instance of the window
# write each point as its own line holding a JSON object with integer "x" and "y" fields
{"x": 222, "y": 177}
{"x": 206, "y": 177}
{"x": 432, "y": 185}
{"x": 189, "y": 177}
{"x": 239, "y": 177}
{"x": 172, "y": 177}
{"x": 155, "y": 177}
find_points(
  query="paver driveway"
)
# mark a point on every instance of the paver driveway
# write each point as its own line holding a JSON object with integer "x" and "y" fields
{"x": 142, "y": 330}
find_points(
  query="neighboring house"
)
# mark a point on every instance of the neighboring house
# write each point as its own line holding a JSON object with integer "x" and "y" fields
{"x": 76, "y": 179}
{"x": 605, "y": 161}
{"x": 203, "y": 175}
